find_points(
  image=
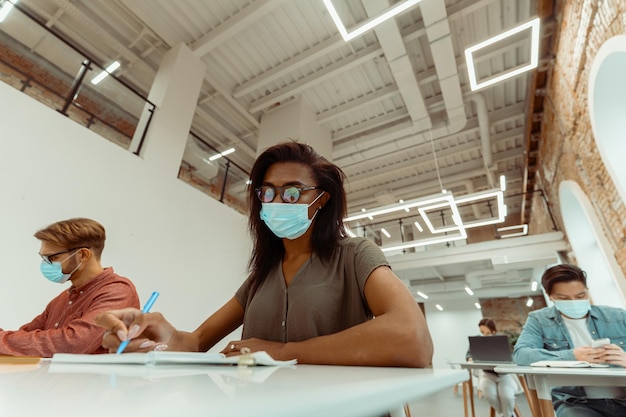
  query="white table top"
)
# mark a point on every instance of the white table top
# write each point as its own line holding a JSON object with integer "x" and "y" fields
{"x": 55, "y": 390}
{"x": 568, "y": 372}
{"x": 544, "y": 378}
{"x": 483, "y": 365}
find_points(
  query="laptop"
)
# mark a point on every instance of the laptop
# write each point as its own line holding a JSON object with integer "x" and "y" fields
{"x": 494, "y": 348}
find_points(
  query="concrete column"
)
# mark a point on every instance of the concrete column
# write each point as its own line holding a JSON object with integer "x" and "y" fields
{"x": 175, "y": 93}
{"x": 295, "y": 120}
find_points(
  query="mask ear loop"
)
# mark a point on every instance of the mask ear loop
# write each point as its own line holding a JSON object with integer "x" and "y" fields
{"x": 319, "y": 207}
{"x": 77, "y": 266}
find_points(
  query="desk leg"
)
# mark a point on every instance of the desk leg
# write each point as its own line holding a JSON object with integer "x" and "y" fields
{"x": 465, "y": 395}
{"x": 531, "y": 396}
{"x": 470, "y": 390}
{"x": 544, "y": 394}
{"x": 547, "y": 409}
{"x": 398, "y": 412}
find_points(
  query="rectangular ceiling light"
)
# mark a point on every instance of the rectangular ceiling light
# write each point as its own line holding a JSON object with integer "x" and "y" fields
{"x": 427, "y": 205}
{"x": 485, "y": 195}
{"x": 456, "y": 216}
{"x": 397, "y": 207}
{"x": 428, "y": 241}
{"x": 522, "y": 230}
{"x": 369, "y": 23}
{"x": 6, "y": 8}
{"x": 533, "y": 25}
{"x": 108, "y": 70}
{"x": 219, "y": 155}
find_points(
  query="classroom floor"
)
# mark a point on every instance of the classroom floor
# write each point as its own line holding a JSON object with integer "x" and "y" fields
{"x": 446, "y": 404}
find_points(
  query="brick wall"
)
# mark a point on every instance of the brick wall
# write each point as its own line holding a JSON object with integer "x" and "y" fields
{"x": 509, "y": 314}
{"x": 567, "y": 148}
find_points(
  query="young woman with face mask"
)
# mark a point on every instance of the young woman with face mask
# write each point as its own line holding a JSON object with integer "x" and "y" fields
{"x": 312, "y": 291}
{"x": 498, "y": 389}
{"x": 565, "y": 331}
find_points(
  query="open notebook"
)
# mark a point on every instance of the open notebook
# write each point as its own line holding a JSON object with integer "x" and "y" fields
{"x": 165, "y": 357}
{"x": 568, "y": 364}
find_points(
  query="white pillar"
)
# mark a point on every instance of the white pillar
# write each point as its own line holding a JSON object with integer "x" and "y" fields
{"x": 175, "y": 93}
{"x": 295, "y": 120}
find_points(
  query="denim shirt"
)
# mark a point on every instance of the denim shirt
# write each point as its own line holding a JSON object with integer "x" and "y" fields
{"x": 545, "y": 336}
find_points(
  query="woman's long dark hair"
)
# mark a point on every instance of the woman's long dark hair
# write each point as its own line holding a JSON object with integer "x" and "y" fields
{"x": 490, "y": 324}
{"x": 328, "y": 229}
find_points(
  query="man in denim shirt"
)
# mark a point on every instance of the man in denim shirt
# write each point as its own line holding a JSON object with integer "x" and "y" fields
{"x": 565, "y": 332}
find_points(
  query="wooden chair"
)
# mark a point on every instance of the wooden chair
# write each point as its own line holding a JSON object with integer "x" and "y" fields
{"x": 492, "y": 412}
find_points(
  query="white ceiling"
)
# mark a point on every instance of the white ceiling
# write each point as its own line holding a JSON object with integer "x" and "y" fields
{"x": 404, "y": 122}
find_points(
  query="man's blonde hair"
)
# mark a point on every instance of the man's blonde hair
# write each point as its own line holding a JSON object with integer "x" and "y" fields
{"x": 75, "y": 233}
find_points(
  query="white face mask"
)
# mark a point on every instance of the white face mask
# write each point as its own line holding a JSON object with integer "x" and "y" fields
{"x": 54, "y": 271}
{"x": 576, "y": 309}
{"x": 287, "y": 220}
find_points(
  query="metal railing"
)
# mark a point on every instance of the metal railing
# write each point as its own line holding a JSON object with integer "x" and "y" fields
{"x": 40, "y": 62}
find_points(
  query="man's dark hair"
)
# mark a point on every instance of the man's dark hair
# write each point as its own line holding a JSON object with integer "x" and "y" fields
{"x": 562, "y": 273}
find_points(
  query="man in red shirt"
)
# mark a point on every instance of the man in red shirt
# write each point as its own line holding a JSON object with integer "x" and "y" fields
{"x": 71, "y": 250}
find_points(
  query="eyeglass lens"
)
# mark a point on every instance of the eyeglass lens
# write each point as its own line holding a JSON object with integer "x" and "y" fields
{"x": 52, "y": 255}
{"x": 289, "y": 194}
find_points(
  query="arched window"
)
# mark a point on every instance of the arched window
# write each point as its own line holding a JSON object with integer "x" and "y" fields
{"x": 605, "y": 279}
{"x": 607, "y": 107}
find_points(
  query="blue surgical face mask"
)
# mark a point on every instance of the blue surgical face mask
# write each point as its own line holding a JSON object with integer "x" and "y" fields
{"x": 54, "y": 271}
{"x": 287, "y": 220}
{"x": 575, "y": 309}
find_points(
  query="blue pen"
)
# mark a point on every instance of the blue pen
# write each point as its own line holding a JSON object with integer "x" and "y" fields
{"x": 146, "y": 308}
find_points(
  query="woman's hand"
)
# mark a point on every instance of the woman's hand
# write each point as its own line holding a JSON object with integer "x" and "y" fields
{"x": 147, "y": 331}
{"x": 613, "y": 355}
{"x": 273, "y": 349}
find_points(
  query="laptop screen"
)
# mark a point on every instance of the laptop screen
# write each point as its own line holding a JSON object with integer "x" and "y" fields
{"x": 494, "y": 348}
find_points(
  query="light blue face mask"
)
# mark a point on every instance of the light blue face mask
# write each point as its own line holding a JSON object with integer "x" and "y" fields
{"x": 54, "y": 271}
{"x": 575, "y": 309}
{"x": 287, "y": 220}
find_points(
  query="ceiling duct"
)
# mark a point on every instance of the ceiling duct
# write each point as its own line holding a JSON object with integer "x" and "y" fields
{"x": 418, "y": 130}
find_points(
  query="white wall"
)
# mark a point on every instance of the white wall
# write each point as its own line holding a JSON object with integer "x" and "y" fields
{"x": 449, "y": 330}
{"x": 161, "y": 233}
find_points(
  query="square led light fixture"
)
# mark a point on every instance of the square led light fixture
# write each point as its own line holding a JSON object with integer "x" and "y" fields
{"x": 533, "y": 25}
{"x": 522, "y": 230}
{"x": 447, "y": 203}
{"x": 369, "y": 23}
{"x": 500, "y": 214}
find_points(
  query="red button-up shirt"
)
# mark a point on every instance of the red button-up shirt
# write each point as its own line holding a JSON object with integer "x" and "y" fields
{"x": 66, "y": 325}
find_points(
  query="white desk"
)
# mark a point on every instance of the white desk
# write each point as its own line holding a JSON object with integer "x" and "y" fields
{"x": 544, "y": 379}
{"x": 54, "y": 390}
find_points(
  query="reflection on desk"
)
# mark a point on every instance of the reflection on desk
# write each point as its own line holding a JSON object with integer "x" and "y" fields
{"x": 301, "y": 390}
